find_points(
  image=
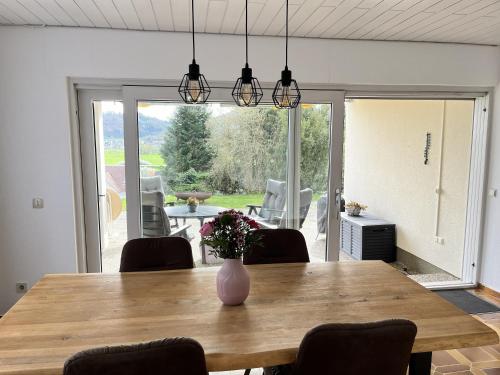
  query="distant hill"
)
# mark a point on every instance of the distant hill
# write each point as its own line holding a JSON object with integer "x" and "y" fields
{"x": 148, "y": 126}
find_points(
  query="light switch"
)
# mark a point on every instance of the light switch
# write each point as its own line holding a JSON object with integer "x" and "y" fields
{"x": 37, "y": 203}
{"x": 492, "y": 193}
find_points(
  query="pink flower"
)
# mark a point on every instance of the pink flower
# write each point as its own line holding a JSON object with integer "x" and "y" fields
{"x": 253, "y": 224}
{"x": 207, "y": 229}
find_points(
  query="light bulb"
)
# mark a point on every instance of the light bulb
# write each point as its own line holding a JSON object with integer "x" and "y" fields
{"x": 285, "y": 98}
{"x": 246, "y": 93}
{"x": 194, "y": 89}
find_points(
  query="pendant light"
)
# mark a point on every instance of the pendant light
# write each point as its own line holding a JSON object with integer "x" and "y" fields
{"x": 194, "y": 87}
{"x": 247, "y": 91}
{"x": 286, "y": 94}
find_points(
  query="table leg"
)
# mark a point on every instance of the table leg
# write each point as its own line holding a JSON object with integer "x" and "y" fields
{"x": 203, "y": 255}
{"x": 420, "y": 363}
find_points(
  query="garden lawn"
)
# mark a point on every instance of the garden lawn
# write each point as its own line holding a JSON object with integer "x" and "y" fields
{"x": 117, "y": 157}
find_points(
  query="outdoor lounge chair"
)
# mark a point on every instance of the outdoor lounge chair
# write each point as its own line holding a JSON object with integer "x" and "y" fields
{"x": 274, "y": 202}
{"x": 155, "y": 222}
{"x": 279, "y": 220}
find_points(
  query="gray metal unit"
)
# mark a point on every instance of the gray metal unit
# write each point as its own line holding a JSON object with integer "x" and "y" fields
{"x": 368, "y": 238}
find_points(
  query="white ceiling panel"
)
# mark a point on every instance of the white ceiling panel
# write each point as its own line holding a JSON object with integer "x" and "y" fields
{"x": 163, "y": 14}
{"x": 110, "y": 12}
{"x": 93, "y": 12}
{"x": 146, "y": 14}
{"x": 451, "y": 21}
{"x": 129, "y": 14}
{"x": 21, "y": 11}
{"x": 71, "y": 8}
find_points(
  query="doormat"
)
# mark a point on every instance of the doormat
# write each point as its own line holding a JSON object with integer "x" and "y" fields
{"x": 467, "y": 301}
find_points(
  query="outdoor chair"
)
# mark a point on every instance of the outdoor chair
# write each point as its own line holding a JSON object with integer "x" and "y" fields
{"x": 273, "y": 204}
{"x": 279, "y": 220}
{"x": 155, "y": 222}
{"x": 322, "y": 213}
{"x": 169, "y": 356}
{"x": 156, "y": 254}
{"x": 379, "y": 348}
{"x": 278, "y": 246}
{"x": 153, "y": 183}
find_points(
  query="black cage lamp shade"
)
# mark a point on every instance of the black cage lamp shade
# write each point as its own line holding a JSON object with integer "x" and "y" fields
{"x": 247, "y": 91}
{"x": 286, "y": 93}
{"x": 194, "y": 87}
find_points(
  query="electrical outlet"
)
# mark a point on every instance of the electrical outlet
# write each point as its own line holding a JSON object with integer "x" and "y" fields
{"x": 439, "y": 240}
{"x": 21, "y": 287}
{"x": 37, "y": 202}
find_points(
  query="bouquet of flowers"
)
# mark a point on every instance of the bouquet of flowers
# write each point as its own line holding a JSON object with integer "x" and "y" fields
{"x": 192, "y": 201}
{"x": 230, "y": 234}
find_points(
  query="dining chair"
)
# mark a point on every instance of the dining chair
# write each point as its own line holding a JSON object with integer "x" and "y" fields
{"x": 168, "y": 356}
{"x": 278, "y": 246}
{"x": 156, "y": 254}
{"x": 378, "y": 348}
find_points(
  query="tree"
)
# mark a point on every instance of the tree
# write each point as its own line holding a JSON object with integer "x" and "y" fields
{"x": 185, "y": 149}
{"x": 314, "y": 147}
{"x": 251, "y": 147}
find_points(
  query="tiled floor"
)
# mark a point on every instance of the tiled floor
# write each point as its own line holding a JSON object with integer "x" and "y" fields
{"x": 478, "y": 361}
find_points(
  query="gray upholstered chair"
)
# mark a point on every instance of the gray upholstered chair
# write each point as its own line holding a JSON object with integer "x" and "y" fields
{"x": 279, "y": 220}
{"x": 155, "y": 222}
{"x": 274, "y": 202}
{"x": 150, "y": 184}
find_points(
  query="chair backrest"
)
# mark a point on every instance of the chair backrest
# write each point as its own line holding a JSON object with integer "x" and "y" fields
{"x": 167, "y": 357}
{"x": 155, "y": 222}
{"x": 274, "y": 199}
{"x": 278, "y": 246}
{"x": 306, "y": 196}
{"x": 357, "y": 349}
{"x": 156, "y": 254}
{"x": 152, "y": 184}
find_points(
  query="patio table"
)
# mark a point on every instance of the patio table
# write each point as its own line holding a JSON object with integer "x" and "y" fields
{"x": 201, "y": 213}
{"x": 64, "y": 314}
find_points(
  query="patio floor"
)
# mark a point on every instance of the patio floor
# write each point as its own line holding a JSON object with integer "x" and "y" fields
{"x": 118, "y": 236}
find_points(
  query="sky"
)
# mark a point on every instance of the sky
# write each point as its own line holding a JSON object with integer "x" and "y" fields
{"x": 162, "y": 110}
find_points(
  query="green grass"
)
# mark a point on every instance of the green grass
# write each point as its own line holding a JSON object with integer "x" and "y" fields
{"x": 117, "y": 157}
{"x": 238, "y": 201}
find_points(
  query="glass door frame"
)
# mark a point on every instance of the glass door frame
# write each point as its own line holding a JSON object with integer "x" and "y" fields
{"x": 222, "y": 93}
{"x": 90, "y": 180}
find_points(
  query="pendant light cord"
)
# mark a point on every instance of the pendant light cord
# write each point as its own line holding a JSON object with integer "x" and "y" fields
{"x": 246, "y": 29}
{"x": 192, "y": 22}
{"x": 286, "y": 45}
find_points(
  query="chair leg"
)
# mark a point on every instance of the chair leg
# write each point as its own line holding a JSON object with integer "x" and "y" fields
{"x": 247, "y": 371}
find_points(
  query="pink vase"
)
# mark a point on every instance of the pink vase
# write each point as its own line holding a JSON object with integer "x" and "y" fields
{"x": 233, "y": 282}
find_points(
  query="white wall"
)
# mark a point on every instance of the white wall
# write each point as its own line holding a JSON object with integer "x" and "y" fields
{"x": 34, "y": 119}
{"x": 384, "y": 169}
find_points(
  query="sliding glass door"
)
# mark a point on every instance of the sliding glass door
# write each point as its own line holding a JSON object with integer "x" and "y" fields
{"x": 146, "y": 154}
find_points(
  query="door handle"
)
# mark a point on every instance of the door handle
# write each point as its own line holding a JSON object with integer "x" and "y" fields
{"x": 338, "y": 200}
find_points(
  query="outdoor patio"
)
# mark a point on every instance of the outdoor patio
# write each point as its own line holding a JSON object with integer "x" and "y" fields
{"x": 118, "y": 236}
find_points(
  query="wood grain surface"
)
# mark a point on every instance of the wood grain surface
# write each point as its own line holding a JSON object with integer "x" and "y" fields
{"x": 63, "y": 314}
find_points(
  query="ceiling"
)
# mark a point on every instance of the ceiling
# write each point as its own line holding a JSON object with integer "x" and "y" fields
{"x": 460, "y": 21}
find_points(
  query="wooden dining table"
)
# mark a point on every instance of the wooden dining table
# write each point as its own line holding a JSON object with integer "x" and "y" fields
{"x": 66, "y": 313}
